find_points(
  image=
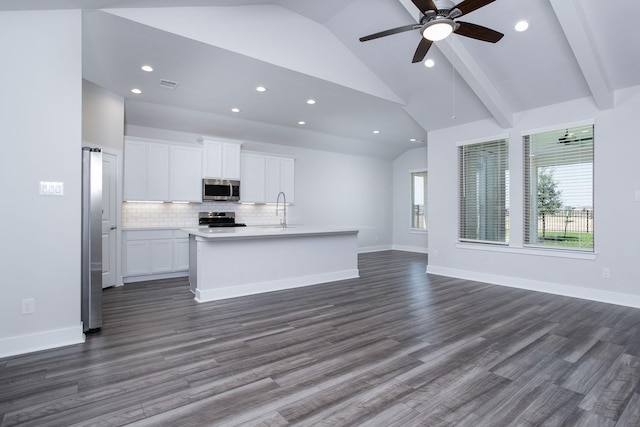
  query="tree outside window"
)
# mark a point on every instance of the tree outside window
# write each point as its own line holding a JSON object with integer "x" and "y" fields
{"x": 559, "y": 188}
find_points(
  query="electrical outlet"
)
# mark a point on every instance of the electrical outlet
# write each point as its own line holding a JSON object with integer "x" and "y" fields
{"x": 28, "y": 306}
{"x": 606, "y": 273}
{"x": 436, "y": 253}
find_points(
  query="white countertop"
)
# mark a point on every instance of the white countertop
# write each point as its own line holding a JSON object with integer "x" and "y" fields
{"x": 221, "y": 233}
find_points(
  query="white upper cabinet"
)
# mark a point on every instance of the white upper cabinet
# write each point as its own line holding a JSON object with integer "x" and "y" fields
{"x": 252, "y": 178}
{"x": 221, "y": 159}
{"x": 155, "y": 171}
{"x": 146, "y": 171}
{"x": 135, "y": 170}
{"x": 279, "y": 177}
{"x": 264, "y": 176}
{"x": 186, "y": 174}
{"x": 287, "y": 174}
{"x": 231, "y": 160}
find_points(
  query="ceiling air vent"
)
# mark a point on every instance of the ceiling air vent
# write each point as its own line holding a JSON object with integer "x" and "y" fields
{"x": 168, "y": 84}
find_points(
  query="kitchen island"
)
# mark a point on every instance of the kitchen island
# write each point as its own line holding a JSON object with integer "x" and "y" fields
{"x": 237, "y": 261}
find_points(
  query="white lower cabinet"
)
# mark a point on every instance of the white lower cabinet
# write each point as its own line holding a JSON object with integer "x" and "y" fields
{"x": 181, "y": 253}
{"x": 136, "y": 257}
{"x": 154, "y": 253}
{"x": 161, "y": 256}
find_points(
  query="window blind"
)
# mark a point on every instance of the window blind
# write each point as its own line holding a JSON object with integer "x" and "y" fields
{"x": 558, "y": 188}
{"x": 483, "y": 181}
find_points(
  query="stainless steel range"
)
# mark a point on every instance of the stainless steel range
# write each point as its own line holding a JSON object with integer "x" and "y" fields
{"x": 218, "y": 219}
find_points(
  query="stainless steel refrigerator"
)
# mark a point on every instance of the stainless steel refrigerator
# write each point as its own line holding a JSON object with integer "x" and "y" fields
{"x": 91, "y": 239}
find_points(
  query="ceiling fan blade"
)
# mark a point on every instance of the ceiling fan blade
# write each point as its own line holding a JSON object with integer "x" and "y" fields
{"x": 478, "y": 32}
{"x": 421, "y": 51}
{"x": 425, "y": 5}
{"x": 470, "y": 5}
{"x": 390, "y": 32}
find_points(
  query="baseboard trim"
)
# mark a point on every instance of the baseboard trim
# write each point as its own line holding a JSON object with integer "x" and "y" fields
{"x": 369, "y": 249}
{"x": 145, "y": 277}
{"x": 617, "y": 298}
{"x": 208, "y": 295}
{"x": 41, "y": 341}
{"x": 416, "y": 249}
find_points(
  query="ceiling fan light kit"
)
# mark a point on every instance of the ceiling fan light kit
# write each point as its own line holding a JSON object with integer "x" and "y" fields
{"x": 438, "y": 22}
{"x": 437, "y": 30}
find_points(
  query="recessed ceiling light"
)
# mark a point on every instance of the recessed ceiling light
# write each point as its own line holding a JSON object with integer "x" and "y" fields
{"x": 136, "y": 91}
{"x": 302, "y": 122}
{"x": 521, "y": 26}
{"x": 429, "y": 63}
{"x": 147, "y": 68}
{"x": 261, "y": 89}
{"x": 235, "y": 110}
{"x": 413, "y": 140}
{"x": 376, "y": 132}
{"x": 311, "y": 101}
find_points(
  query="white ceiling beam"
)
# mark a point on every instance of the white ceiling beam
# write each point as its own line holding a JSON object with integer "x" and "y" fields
{"x": 472, "y": 74}
{"x": 572, "y": 19}
{"x": 477, "y": 79}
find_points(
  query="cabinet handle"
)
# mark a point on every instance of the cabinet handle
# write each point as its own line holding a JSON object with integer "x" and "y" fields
{"x": 113, "y": 227}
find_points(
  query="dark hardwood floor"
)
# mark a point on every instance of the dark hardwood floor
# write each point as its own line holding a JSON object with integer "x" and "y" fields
{"x": 396, "y": 347}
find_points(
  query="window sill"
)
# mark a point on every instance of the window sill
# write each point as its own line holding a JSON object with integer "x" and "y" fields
{"x": 554, "y": 253}
{"x": 418, "y": 231}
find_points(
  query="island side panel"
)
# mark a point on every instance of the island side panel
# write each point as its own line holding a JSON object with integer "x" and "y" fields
{"x": 237, "y": 267}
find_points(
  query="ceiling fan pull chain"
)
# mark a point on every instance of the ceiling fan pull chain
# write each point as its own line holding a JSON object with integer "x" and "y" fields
{"x": 453, "y": 86}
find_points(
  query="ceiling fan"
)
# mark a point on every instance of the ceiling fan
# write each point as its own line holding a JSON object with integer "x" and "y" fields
{"x": 438, "y": 21}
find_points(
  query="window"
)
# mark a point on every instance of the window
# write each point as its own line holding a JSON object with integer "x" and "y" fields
{"x": 484, "y": 179}
{"x": 419, "y": 200}
{"x": 559, "y": 189}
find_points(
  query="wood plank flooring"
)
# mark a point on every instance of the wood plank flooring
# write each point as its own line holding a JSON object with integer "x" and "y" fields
{"x": 396, "y": 347}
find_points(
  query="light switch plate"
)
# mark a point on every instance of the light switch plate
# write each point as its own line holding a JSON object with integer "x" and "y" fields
{"x": 49, "y": 188}
{"x": 637, "y": 195}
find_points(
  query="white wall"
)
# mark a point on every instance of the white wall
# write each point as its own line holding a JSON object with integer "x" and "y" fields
{"x": 617, "y": 234}
{"x": 404, "y": 238}
{"x": 40, "y": 108}
{"x": 102, "y": 117}
{"x": 330, "y": 188}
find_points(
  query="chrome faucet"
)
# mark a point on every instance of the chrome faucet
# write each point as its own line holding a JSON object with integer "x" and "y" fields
{"x": 283, "y": 221}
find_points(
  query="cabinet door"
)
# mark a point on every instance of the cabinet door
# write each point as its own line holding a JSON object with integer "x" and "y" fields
{"x": 231, "y": 161}
{"x": 161, "y": 256}
{"x": 136, "y": 258}
{"x": 287, "y": 175}
{"x": 186, "y": 174}
{"x": 181, "y": 254}
{"x": 212, "y": 159}
{"x": 157, "y": 172}
{"x": 279, "y": 176}
{"x": 252, "y": 182}
{"x": 272, "y": 178}
{"x": 135, "y": 170}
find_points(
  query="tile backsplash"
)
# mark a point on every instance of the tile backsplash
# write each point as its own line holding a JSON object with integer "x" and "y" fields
{"x": 150, "y": 215}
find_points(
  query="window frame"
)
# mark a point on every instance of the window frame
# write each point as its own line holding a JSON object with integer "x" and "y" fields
{"x": 528, "y": 199}
{"x": 502, "y": 142}
{"x": 412, "y": 174}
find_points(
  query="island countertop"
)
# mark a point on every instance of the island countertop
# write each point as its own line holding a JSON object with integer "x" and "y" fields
{"x": 252, "y": 232}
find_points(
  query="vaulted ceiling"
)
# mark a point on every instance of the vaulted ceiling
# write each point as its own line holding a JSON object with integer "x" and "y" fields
{"x": 218, "y": 51}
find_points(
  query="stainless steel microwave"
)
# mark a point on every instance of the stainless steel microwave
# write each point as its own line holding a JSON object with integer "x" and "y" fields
{"x": 220, "y": 190}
